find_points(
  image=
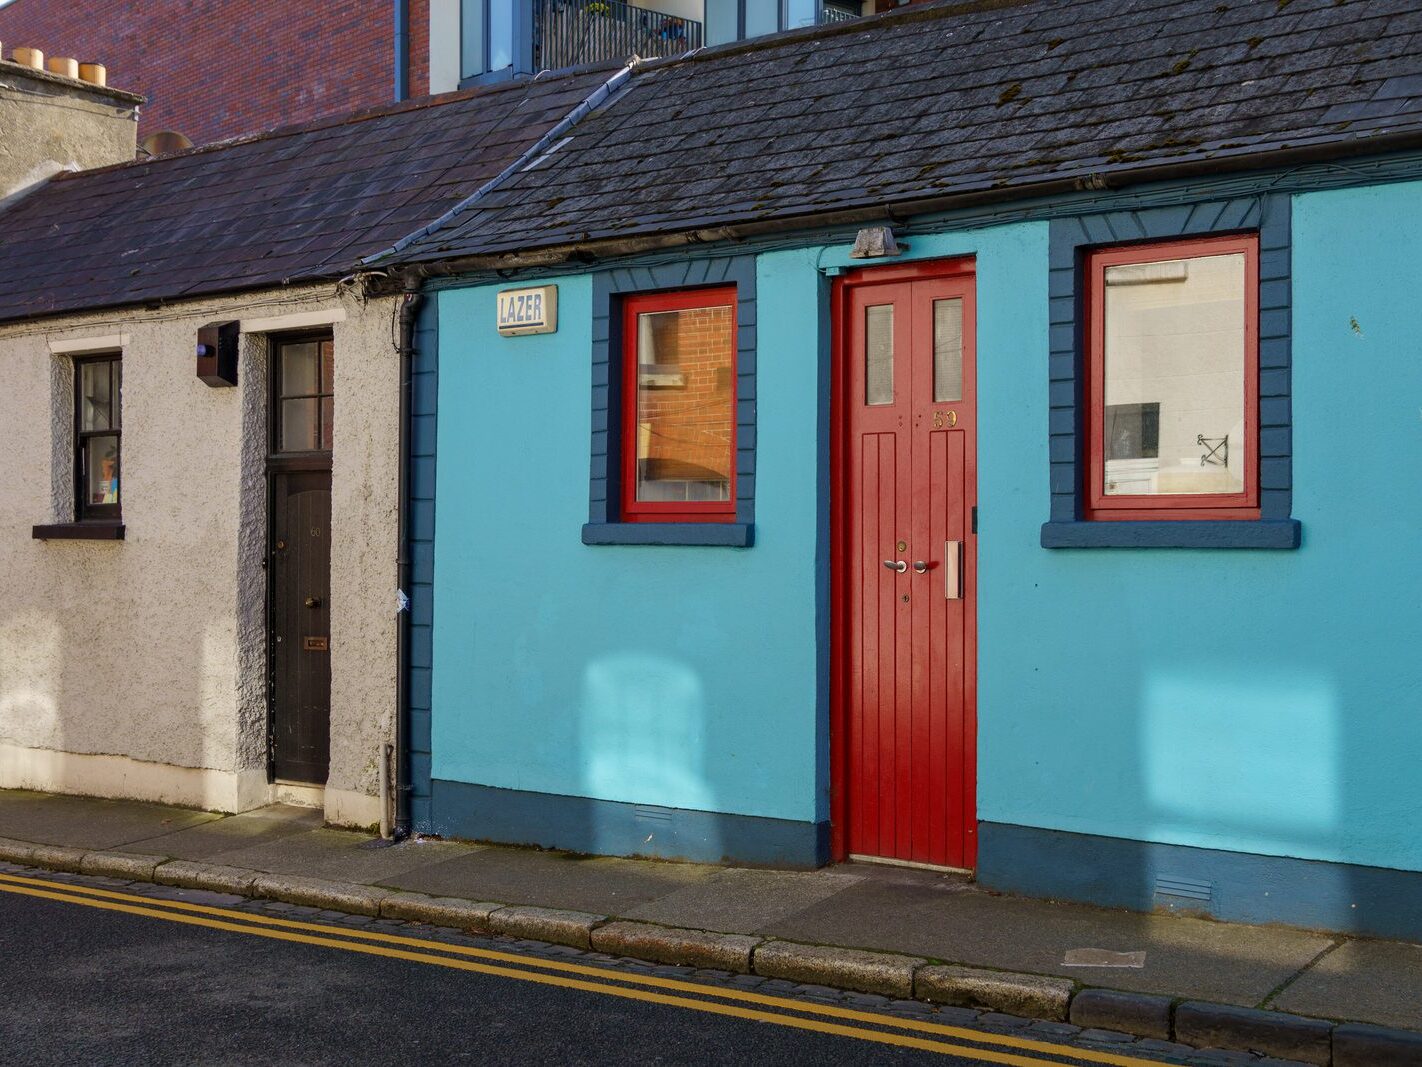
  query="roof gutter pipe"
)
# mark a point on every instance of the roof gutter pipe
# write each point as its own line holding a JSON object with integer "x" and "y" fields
{"x": 402, "y": 49}
{"x": 410, "y": 300}
{"x": 539, "y": 148}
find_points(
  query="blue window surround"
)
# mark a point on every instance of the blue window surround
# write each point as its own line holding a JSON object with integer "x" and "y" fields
{"x": 1071, "y": 238}
{"x": 605, "y": 491}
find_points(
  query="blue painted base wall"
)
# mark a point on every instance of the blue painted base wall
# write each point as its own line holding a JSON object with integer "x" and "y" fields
{"x": 609, "y": 828}
{"x": 1233, "y": 886}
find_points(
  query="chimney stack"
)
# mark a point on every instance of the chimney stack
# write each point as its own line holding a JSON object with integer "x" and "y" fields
{"x": 59, "y": 116}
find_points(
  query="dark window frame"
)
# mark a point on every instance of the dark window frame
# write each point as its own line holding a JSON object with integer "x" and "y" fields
{"x": 632, "y": 306}
{"x": 1071, "y": 238}
{"x": 84, "y": 511}
{"x": 606, "y": 525}
{"x": 276, "y": 396}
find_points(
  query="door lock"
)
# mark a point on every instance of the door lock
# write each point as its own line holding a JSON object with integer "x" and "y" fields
{"x": 313, "y": 602}
{"x": 896, "y": 565}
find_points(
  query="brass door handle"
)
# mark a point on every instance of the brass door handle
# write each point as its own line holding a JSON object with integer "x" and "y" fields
{"x": 953, "y": 570}
{"x": 313, "y": 602}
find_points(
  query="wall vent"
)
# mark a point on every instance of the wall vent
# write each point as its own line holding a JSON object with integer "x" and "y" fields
{"x": 1175, "y": 888}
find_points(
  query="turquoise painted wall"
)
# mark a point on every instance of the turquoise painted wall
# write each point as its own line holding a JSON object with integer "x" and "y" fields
{"x": 1263, "y": 702}
{"x": 683, "y": 677}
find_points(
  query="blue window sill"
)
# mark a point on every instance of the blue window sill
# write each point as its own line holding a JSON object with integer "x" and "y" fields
{"x": 725, "y": 534}
{"x": 1223, "y": 533}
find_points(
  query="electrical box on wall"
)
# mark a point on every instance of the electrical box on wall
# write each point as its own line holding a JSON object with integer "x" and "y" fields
{"x": 217, "y": 353}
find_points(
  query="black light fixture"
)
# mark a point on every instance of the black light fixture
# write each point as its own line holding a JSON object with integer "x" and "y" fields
{"x": 217, "y": 353}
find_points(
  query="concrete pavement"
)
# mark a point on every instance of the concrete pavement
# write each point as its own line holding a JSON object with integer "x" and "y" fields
{"x": 920, "y": 914}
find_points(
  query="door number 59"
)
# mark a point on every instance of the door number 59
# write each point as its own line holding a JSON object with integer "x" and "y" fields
{"x": 944, "y": 419}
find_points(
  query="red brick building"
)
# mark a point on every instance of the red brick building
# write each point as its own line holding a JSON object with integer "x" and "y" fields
{"x": 213, "y": 69}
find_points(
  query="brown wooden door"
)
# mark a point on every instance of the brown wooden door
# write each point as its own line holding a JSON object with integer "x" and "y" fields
{"x": 908, "y": 553}
{"x": 301, "y": 625}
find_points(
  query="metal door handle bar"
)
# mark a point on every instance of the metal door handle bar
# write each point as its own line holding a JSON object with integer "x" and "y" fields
{"x": 953, "y": 570}
{"x": 922, "y": 566}
{"x": 896, "y": 565}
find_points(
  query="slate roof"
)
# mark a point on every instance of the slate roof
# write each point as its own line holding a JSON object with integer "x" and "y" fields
{"x": 958, "y": 98}
{"x": 296, "y": 204}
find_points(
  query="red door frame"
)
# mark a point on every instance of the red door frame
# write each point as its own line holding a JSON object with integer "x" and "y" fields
{"x": 839, "y": 564}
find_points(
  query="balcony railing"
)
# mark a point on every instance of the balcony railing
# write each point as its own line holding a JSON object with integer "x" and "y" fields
{"x": 829, "y": 13}
{"x": 569, "y": 32}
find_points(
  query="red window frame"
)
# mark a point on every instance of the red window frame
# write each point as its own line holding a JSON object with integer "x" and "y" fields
{"x": 1096, "y": 504}
{"x": 634, "y": 510}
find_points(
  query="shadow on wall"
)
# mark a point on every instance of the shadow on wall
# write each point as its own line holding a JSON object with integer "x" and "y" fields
{"x": 642, "y": 730}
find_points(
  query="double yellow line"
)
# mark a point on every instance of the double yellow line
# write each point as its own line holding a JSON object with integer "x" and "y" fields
{"x": 744, "y": 1004}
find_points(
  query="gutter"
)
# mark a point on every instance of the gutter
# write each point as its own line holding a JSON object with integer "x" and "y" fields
{"x": 409, "y": 306}
{"x": 591, "y": 103}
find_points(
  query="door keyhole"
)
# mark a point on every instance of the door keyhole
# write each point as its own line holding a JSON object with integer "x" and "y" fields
{"x": 313, "y": 602}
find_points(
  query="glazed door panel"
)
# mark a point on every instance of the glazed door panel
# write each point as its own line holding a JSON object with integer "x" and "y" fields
{"x": 909, "y": 555}
{"x": 301, "y": 625}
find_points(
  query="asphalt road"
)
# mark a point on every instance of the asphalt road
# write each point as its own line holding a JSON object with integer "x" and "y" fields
{"x": 84, "y": 985}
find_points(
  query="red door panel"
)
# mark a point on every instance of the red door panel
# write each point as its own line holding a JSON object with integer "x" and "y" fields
{"x": 905, "y": 450}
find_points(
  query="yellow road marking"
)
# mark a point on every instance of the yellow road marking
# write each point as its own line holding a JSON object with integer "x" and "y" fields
{"x": 173, "y": 911}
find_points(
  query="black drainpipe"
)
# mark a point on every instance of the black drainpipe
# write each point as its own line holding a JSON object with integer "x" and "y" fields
{"x": 409, "y": 304}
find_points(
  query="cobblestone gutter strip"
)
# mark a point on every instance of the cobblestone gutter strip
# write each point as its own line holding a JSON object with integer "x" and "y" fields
{"x": 1098, "y": 1011}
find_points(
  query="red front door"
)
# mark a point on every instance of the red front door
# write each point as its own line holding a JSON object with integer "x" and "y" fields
{"x": 906, "y": 563}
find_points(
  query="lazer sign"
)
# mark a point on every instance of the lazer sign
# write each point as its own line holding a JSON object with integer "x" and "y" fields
{"x": 528, "y": 310}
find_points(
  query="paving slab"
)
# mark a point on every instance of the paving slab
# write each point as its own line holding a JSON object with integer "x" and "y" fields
{"x": 1368, "y": 981}
{"x": 1229, "y": 963}
{"x": 552, "y": 879}
{"x": 741, "y": 901}
{"x": 341, "y": 856}
{"x": 88, "y": 822}
{"x": 205, "y": 841}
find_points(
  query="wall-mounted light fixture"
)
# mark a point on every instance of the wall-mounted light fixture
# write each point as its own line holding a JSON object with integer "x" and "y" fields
{"x": 217, "y": 353}
{"x": 875, "y": 242}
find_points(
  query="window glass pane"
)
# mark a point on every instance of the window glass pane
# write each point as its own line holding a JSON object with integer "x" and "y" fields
{"x": 723, "y": 21}
{"x": 328, "y": 411}
{"x": 101, "y": 469}
{"x": 1174, "y": 417}
{"x": 685, "y": 404}
{"x": 328, "y": 366}
{"x": 500, "y": 34}
{"x": 95, "y": 396}
{"x": 762, "y": 16}
{"x": 299, "y": 369}
{"x": 471, "y": 46}
{"x": 879, "y": 354}
{"x": 947, "y": 350}
{"x": 298, "y": 425}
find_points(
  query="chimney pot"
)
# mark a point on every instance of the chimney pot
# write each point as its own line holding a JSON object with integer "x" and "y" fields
{"x": 29, "y": 57}
{"x": 64, "y": 67}
{"x": 94, "y": 74}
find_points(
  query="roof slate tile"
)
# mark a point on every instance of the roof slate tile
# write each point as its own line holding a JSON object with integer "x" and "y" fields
{"x": 300, "y": 203}
{"x": 941, "y": 99}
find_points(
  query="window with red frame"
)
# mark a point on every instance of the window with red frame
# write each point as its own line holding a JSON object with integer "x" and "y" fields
{"x": 1172, "y": 350}
{"x": 679, "y": 406}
